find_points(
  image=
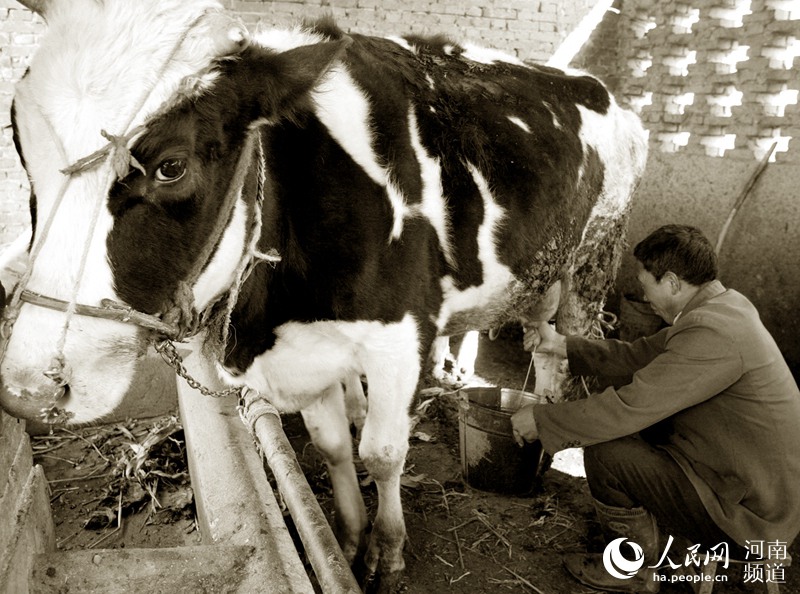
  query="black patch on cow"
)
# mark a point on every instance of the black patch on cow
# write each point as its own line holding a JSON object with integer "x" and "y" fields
{"x": 32, "y": 207}
{"x": 331, "y": 229}
{"x": 328, "y": 219}
{"x": 160, "y": 229}
{"x": 325, "y": 26}
{"x": 463, "y": 110}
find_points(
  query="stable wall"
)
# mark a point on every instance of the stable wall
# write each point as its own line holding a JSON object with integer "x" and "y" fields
{"x": 716, "y": 84}
{"x": 528, "y": 29}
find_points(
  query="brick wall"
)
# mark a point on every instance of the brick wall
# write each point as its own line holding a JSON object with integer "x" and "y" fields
{"x": 715, "y": 77}
{"x": 19, "y": 34}
{"x": 529, "y": 29}
{"x": 26, "y": 523}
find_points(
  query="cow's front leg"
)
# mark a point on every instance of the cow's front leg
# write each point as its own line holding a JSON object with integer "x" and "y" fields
{"x": 328, "y": 426}
{"x": 383, "y": 448}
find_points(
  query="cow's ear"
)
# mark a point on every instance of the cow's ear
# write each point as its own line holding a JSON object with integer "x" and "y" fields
{"x": 299, "y": 69}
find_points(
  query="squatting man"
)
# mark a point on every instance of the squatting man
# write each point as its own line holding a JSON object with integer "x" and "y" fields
{"x": 697, "y": 437}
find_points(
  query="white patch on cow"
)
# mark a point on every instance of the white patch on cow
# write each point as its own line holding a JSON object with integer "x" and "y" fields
{"x": 486, "y": 55}
{"x": 399, "y": 209}
{"x": 431, "y": 85}
{"x": 556, "y": 124}
{"x": 401, "y": 42}
{"x": 518, "y": 122}
{"x": 285, "y": 39}
{"x": 127, "y": 61}
{"x": 496, "y": 276}
{"x": 308, "y": 358}
{"x": 220, "y": 272}
{"x": 433, "y": 205}
{"x": 258, "y": 122}
{"x": 616, "y": 137}
{"x": 345, "y": 111}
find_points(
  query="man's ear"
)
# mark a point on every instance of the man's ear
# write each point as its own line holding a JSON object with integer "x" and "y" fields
{"x": 673, "y": 280}
{"x": 296, "y": 72}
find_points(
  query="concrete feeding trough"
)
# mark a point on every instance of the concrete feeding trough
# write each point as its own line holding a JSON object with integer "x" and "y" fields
{"x": 246, "y": 544}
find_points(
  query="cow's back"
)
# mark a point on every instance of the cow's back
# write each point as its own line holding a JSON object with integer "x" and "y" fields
{"x": 500, "y": 164}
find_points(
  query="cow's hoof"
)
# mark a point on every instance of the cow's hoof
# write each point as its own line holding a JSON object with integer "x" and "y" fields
{"x": 384, "y": 583}
{"x": 361, "y": 572}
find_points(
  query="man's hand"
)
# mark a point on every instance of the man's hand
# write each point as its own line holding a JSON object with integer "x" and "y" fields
{"x": 543, "y": 338}
{"x": 523, "y": 425}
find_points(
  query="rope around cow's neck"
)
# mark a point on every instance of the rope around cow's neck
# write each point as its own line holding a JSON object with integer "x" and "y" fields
{"x": 218, "y": 321}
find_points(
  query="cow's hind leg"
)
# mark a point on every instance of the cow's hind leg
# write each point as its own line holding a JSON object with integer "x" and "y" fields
{"x": 467, "y": 354}
{"x": 440, "y": 350}
{"x": 355, "y": 401}
{"x": 328, "y": 426}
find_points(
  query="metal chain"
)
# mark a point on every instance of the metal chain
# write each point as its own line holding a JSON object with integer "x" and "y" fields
{"x": 169, "y": 353}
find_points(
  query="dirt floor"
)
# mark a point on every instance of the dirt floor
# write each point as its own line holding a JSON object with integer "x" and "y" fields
{"x": 126, "y": 485}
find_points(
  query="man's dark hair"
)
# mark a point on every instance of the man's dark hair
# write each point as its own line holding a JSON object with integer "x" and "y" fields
{"x": 680, "y": 249}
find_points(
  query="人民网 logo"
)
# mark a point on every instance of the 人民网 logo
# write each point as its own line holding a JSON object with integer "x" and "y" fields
{"x": 617, "y": 565}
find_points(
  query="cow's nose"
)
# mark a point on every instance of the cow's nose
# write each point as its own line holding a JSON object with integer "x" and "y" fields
{"x": 46, "y": 404}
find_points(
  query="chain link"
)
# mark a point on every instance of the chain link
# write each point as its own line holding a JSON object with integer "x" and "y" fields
{"x": 169, "y": 353}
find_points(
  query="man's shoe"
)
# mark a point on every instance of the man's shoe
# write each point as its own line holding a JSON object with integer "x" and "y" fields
{"x": 635, "y": 524}
{"x": 590, "y": 571}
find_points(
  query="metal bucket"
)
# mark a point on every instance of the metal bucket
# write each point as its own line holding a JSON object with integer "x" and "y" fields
{"x": 490, "y": 458}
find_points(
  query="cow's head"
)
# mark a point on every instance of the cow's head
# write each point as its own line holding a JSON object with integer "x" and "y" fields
{"x": 178, "y": 74}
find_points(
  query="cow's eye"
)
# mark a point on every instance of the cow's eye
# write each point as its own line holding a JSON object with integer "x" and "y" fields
{"x": 171, "y": 171}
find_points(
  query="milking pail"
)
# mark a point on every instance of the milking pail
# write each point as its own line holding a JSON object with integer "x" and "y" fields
{"x": 490, "y": 458}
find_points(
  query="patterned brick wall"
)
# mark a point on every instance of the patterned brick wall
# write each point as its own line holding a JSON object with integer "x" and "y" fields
{"x": 530, "y": 29}
{"x": 715, "y": 77}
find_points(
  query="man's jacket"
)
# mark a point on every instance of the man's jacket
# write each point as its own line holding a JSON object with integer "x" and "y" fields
{"x": 719, "y": 378}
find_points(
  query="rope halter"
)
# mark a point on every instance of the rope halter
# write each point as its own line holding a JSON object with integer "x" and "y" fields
{"x": 182, "y": 320}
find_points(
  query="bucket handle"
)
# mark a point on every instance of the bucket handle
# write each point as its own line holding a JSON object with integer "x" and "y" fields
{"x": 530, "y": 365}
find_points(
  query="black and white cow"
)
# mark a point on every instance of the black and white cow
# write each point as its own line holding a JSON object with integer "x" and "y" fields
{"x": 411, "y": 187}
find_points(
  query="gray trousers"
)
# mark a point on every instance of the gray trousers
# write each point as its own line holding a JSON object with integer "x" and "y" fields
{"x": 630, "y": 472}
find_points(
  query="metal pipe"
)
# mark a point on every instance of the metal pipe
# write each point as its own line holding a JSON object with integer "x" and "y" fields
{"x": 330, "y": 566}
